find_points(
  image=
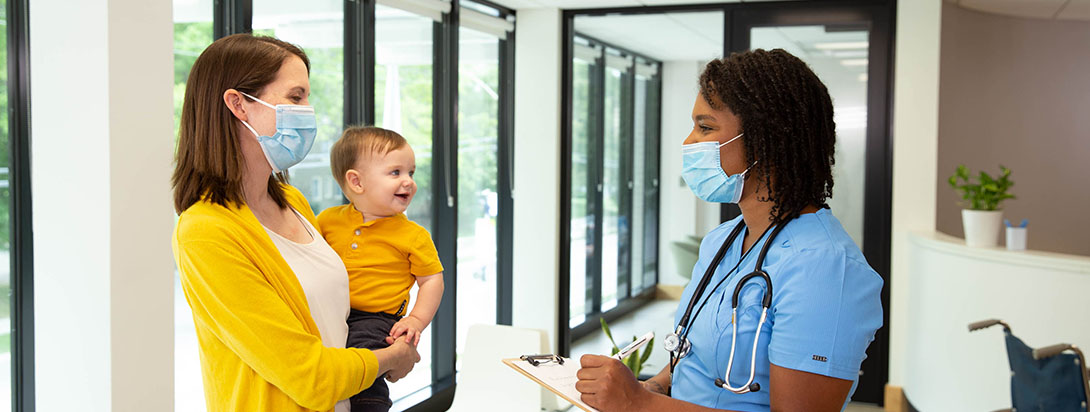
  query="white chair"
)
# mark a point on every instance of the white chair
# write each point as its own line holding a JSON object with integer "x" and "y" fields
{"x": 486, "y": 383}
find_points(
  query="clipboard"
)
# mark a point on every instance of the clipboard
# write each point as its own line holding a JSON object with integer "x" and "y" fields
{"x": 558, "y": 377}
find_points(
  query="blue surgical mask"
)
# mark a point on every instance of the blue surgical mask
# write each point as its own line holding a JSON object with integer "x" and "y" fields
{"x": 296, "y": 127}
{"x": 703, "y": 172}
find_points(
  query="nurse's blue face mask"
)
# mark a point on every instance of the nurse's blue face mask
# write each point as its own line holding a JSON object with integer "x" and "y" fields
{"x": 703, "y": 172}
{"x": 296, "y": 127}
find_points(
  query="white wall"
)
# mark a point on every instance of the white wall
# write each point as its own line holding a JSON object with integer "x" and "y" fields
{"x": 535, "y": 253}
{"x": 681, "y": 214}
{"x": 915, "y": 138}
{"x": 1041, "y": 295}
{"x": 101, "y": 108}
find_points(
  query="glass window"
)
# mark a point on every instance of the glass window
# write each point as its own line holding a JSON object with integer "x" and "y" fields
{"x": 478, "y": 198}
{"x": 5, "y": 224}
{"x": 639, "y": 164}
{"x": 583, "y": 189}
{"x": 649, "y": 213}
{"x": 645, "y": 177}
{"x": 318, "y": 28}
{"x": 403, "y": 92}
{"x": 192, "y": 34}
{"x": 613, "y": 186}
{"x": 403, "y": 103}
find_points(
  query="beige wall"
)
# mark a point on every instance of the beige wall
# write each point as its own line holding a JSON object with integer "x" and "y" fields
{"x": 1016, "y": 92}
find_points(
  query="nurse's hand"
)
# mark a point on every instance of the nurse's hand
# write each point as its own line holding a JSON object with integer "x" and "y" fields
{"x": 607, "y": 385}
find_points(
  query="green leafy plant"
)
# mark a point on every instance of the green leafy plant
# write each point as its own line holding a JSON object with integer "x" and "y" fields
{"x": 986, "y": 193}
{"x": 637, "y": 359}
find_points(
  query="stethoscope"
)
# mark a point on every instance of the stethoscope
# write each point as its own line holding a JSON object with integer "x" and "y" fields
{"x": 677, "y": 343}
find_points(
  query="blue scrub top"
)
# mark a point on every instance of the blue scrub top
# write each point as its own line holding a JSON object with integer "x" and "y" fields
{"x": 826, "y": 306}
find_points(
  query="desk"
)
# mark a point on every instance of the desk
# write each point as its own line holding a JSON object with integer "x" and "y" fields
{"x": 1045, "y": 297}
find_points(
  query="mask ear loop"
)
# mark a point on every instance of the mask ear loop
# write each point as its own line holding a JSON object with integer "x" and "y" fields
{"x": 244, "y": 123}
{"x": 720, "y": 145}
{"x": 263, "y": 102}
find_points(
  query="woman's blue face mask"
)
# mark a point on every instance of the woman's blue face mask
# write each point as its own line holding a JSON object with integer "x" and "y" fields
{"x": 296, "y": 128}
{"x": 703, "y": 172}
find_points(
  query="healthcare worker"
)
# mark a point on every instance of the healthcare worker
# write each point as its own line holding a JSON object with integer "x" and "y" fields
{"x": 763, "y": 138}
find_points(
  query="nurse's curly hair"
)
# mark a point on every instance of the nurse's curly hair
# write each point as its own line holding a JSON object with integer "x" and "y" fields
{"x": 787, "y": 117}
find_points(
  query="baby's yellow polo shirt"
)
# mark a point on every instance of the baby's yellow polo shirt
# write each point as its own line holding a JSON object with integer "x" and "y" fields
{"x": 383, "y": 257}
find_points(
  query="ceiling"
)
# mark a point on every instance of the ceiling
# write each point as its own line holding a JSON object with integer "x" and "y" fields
{"x": 695, "y": 36}
{"x": 1038, "y": 9}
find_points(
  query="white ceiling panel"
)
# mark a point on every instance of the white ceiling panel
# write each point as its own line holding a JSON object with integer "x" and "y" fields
{"x": 1075, "y": 10}
{"x": 669, "y": 36}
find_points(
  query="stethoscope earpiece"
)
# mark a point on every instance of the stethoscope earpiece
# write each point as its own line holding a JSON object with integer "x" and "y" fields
{"x": 753, "y": 387}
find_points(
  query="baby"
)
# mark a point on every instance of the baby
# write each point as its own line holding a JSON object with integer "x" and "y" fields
{"x": 384, "y": 251}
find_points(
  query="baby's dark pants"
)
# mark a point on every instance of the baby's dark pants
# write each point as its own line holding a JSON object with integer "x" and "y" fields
{"x": 369, "y": 331}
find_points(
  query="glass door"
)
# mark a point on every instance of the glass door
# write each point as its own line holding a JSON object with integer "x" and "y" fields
{"x": 849, "y": 52}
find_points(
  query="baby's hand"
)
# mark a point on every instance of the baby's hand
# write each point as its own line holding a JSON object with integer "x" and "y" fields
{"x": 408, "y": 326}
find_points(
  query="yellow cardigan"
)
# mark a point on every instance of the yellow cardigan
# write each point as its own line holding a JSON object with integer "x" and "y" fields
{"x": 260, "y": 349}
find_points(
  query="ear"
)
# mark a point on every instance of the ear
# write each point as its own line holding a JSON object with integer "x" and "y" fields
{"x": 353, "y": 181}
{"x": 233, "y": 99}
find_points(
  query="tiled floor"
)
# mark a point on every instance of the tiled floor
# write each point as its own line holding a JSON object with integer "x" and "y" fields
{"x": 657, "y": 316}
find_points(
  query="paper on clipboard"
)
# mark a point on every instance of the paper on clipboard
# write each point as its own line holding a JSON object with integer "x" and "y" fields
{"x": 560, "y": 379}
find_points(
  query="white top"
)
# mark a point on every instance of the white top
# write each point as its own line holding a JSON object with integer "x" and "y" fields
{"x": 324, "y": 279}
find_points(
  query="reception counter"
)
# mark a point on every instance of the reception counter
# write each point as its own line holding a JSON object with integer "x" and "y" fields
{"x": 1045, "y": 297}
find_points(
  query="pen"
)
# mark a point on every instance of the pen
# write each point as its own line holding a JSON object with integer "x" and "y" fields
{"x": 634, "y": 346}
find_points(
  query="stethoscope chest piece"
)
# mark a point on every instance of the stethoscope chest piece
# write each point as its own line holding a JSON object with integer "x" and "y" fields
{"x": 677, "y": 345}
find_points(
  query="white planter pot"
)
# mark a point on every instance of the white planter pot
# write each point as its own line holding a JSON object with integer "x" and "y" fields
{"x": 981, "y": 227}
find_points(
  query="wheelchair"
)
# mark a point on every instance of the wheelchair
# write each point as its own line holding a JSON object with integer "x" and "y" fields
{"x": 1053, "y": 378}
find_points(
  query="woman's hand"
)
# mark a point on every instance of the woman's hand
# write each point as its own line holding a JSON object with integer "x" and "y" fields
{"x": 397, "y": 360}
{"x": 607, "y": 385}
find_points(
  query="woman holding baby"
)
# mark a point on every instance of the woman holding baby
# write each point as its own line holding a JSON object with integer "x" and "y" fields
{"x": 268, "y": 294}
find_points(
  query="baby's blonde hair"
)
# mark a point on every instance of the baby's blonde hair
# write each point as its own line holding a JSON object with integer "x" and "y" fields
{"x": 361, "y": 142}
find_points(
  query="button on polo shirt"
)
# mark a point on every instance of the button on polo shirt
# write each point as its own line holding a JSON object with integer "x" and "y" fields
{"x": 383, "y": 257}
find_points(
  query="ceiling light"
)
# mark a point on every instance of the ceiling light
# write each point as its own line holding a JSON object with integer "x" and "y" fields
{"x": 844, "y": 45}
{"x": 843, "y": 54}
{"x": 854, "y": 62}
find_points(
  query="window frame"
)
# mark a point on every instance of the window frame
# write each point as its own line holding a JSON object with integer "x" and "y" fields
{"x": 22, "y": 234}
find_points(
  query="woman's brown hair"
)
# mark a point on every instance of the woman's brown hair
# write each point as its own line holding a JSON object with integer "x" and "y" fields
{"x": 209, "y": 158}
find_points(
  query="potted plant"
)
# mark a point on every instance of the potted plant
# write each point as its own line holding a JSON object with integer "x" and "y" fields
{"x": 982, "y": 214}
{"x": 636, "y": 360}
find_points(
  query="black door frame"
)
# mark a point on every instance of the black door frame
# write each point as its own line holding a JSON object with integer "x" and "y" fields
{"x": 880, "y": 17}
